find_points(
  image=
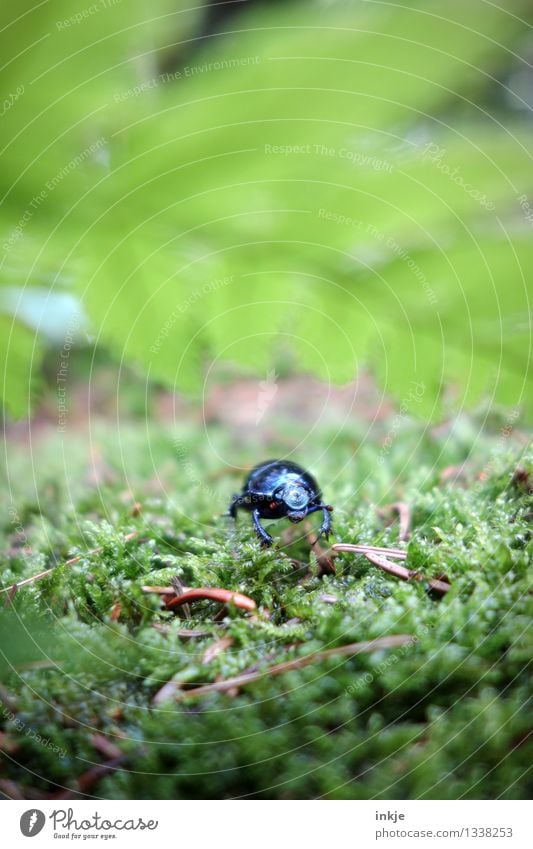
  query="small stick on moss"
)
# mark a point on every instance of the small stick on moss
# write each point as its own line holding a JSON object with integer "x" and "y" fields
{"x": 11, "y": 593}
{"x": 179, "y": 589}
{"x": 404, "y": 516}
{"x": 392, "y": 568}
{"x": 190, "y": 635}
{"x": 147, "y": 588}
{"x": 116, "y": 611}
{"x": 215, "y": 648}
{"x": 406, "y": 574}
{"x": 396, "y": 553}
{"x": 328, "y": 599}
{"x": 40, "y": 575}
{"x": 38, "y": 664}
{"x": 212, "y": 594}
{"x": 104, "y": 745}
{"x": 166, "y": 692}
{"x": 390, "y": 642}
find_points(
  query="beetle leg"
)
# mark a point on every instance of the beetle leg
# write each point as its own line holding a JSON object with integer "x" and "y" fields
{"x": 265, "y": 538}
{"x": 325, "y": 528}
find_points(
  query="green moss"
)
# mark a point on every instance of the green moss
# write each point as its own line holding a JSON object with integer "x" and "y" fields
{"x": 445, "y": 717}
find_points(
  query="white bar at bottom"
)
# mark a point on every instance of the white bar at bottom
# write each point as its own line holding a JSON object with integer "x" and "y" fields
{"x": 268, "y": 824}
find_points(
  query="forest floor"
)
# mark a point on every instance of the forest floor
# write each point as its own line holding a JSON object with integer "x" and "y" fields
{"x": 332, "y": 677}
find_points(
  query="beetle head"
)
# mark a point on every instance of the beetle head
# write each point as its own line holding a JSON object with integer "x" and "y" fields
{"x": 296, "y": 499}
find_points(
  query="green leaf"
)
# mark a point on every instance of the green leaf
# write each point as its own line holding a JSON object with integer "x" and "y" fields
{"x": 320, "y": 179}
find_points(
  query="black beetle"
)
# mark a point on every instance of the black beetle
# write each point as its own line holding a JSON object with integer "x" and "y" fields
{"x": 278, "y": 488}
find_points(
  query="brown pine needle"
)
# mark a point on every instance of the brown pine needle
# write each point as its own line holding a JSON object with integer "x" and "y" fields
{"x": 40, "y": 575}
{"x": 105, "y": 746}
{"x": 212, "y": 594}
{"x": 390, "y": 642}
{"x": 167, "y": 692}
{"x": 390, "y": 567}
{"x": 406, "y": 574}
{"x": 215, "y": 648}
{"x": 404, "y": 516}
{"x": 396, "y": 553}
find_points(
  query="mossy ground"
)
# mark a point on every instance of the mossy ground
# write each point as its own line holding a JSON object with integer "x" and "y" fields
{"x": 86, "y": 650}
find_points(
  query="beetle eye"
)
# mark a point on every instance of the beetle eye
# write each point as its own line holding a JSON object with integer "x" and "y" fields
{"x": 295, "y": 497}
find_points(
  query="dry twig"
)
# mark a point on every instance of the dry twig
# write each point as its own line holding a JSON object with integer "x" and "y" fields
{"x": 211, "y": 594}
{"x": 104, "y": 745}
{"x": 396, "y": 553}
{"x": 391, "y": 642}
{"x": 215, "y": 648}
{"x": 40, "y": 575}
{"x": 159, "y": 590}
{"x": 406, "y": 574}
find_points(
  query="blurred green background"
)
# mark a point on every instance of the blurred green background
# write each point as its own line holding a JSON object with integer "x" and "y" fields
{"x": 323, "y": 186}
